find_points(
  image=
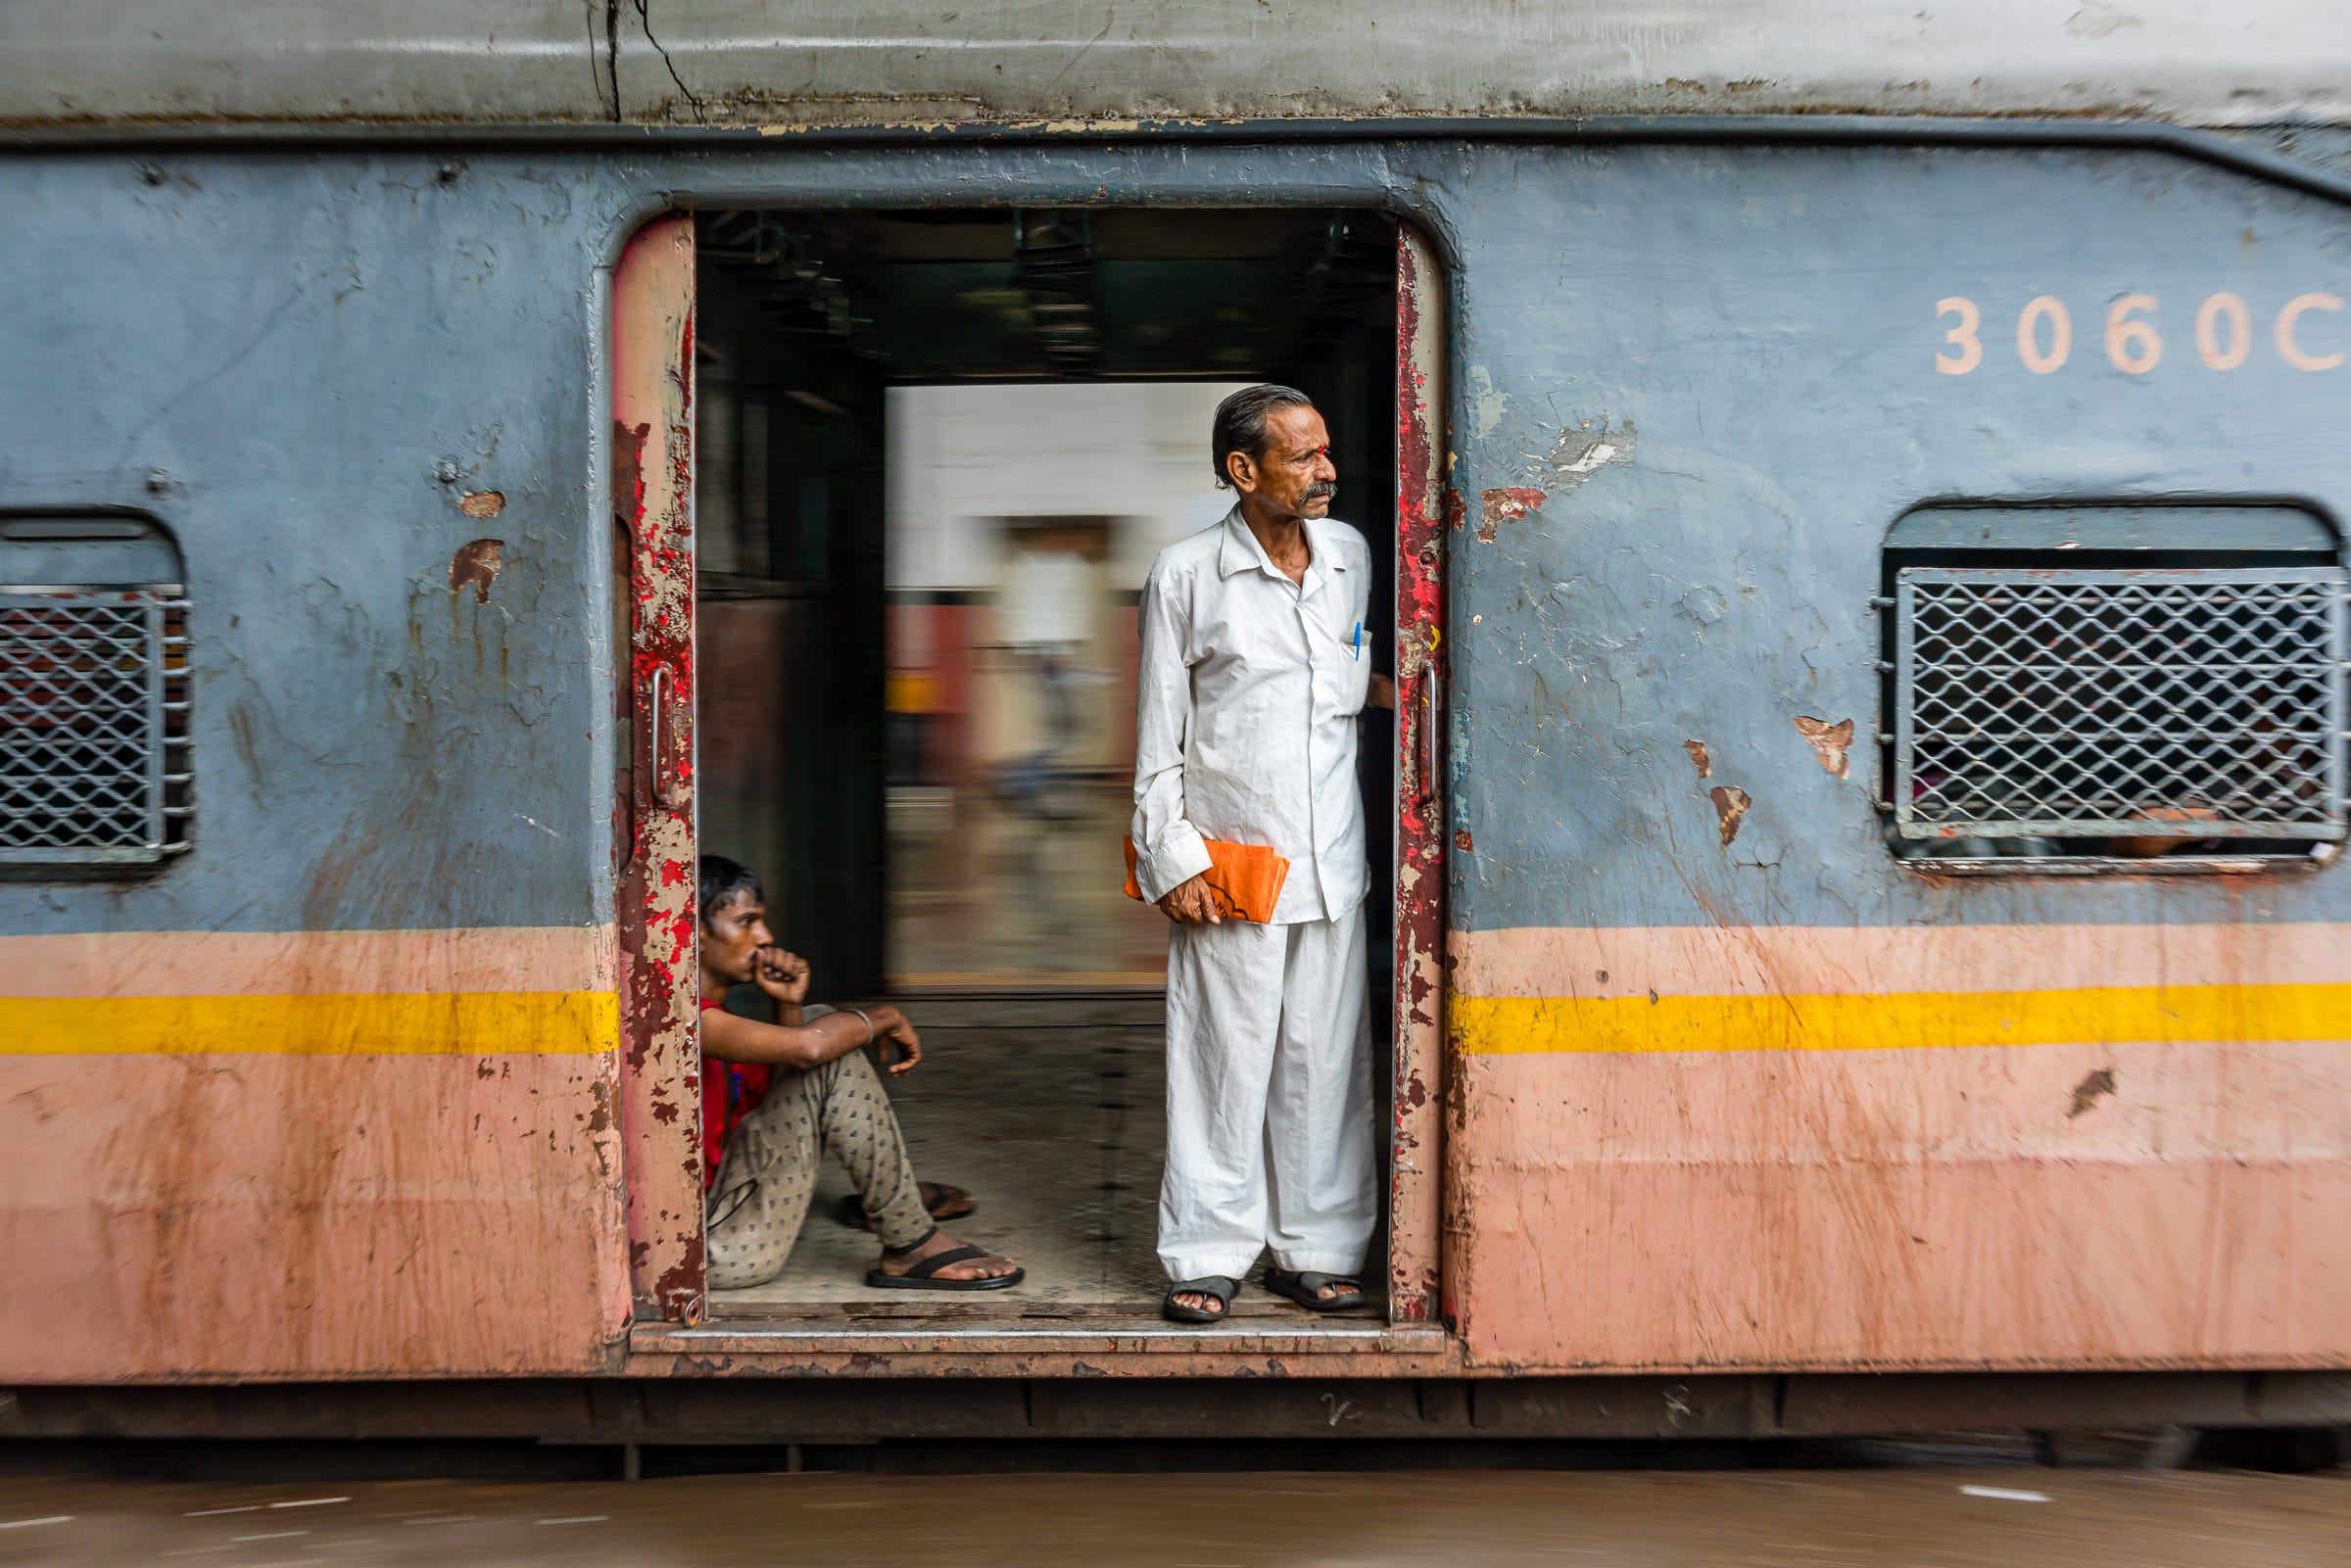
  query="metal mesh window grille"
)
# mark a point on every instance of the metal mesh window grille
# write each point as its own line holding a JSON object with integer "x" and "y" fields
{"x": 2182, "y": 703}
{"x": 93, "y": 725}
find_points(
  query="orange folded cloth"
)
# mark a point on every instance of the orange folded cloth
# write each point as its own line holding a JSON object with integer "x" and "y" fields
{"x": 1246, "y": 878}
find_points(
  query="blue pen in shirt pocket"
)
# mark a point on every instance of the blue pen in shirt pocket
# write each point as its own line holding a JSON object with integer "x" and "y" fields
{"x": 1358, "y": 642}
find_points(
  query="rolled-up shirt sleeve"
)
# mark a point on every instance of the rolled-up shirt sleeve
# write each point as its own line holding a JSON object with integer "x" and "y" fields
{"x": 1167, "y": 848}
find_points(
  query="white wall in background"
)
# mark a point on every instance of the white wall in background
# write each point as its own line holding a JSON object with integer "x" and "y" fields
{"x": 962, "y": 459}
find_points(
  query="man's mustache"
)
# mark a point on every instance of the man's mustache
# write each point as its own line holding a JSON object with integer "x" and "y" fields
{"x": 1319, "y": 490}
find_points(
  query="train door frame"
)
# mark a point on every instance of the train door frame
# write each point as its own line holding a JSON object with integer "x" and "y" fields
{"x": 652, "y": 504}
{"x": 652, "y": 323}
{"x": 1416, "y": 1149}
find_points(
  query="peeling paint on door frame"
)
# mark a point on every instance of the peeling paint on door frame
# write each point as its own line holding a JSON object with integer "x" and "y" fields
{"x": 1422, "y": 509}
{"x": 652, "y": 410}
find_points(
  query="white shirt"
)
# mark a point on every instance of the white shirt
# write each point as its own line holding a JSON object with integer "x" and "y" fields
{"x": 1245, "y": 707}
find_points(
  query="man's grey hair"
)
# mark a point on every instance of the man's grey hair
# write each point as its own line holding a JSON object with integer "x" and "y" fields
{"x": 1241, "y": 423}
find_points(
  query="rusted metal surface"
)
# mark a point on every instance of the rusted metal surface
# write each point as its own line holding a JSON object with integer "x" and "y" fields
{"x": 1731, "y": 804}
{"x": 476, "y": 565}
{"x": 1415, "y": 1181}
{"x": 1831, "y": 744}
{"x": 1738, "y": 1090}
{"x": 1622, "y": 1193}
{"x": 713, "y": 1401}
{"x": 742, "y": 61}
{"x": 1506, "y": 504}
{"x": 2126, "y": 1165}
{"x": 326, "y": 1153}
{"x": 1012, "y": 1349}
{"x": 653, "y": 413}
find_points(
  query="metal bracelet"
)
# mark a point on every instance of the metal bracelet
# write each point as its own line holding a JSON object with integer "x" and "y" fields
{"x": 869, "y": 1022}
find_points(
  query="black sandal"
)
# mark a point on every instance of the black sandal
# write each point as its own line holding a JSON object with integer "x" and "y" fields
{"x": 1217, "y": 1288}
{"x": 1305, "y": 1289}
{"x": 923, "y": 1275}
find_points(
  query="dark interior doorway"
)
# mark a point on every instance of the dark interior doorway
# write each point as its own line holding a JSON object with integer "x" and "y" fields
{"x": 919, "y": 433}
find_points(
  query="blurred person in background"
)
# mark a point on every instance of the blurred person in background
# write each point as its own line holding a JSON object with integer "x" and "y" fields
{"x": 1047, "y": 617}
{"x": 1256, "y": 660}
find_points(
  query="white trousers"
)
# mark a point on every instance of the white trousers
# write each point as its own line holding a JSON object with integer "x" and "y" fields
{"x": 1268, "y": 1099}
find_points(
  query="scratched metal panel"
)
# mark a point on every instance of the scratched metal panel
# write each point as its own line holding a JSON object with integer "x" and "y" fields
{"x": 364, "y": 400}
{"x": 1694, "y": 386}
{"x": 1700, "y": 386}
{"x": 1737, "y": 1089}
{"x": 330, "y": 379}
{"x": 752, "y": 62}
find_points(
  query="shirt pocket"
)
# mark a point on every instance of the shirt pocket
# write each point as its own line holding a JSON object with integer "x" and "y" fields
{"x": 1350, "y": 660}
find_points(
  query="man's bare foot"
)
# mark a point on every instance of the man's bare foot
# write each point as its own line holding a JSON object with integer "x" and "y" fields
{"x": 1198, "y": 1302}
{"x": 989, "y": 1267}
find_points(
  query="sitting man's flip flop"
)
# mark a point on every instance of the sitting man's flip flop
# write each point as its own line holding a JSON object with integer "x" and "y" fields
{"x": 943, "y": 1202}
{"x": 1217, "y": 1288}
{"x": 1306, "y": 1289}
{"x": 921, "y": 1273}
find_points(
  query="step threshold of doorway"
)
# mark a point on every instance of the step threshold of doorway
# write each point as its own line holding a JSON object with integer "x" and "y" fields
{"x": 1131, "y": 1340}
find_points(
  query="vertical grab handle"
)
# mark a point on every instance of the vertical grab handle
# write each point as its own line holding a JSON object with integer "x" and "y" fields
{"x": 652, "y": 706}
{"x": 1428, "y": 731}
{"x": 1426, "y": 743}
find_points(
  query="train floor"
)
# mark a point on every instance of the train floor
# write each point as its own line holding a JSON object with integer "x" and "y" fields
{"x": 993, "y": 889}
{"x": 1048, "y": 1108}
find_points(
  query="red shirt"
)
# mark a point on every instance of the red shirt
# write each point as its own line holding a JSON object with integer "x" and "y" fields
{"x": 731, "y": 1091}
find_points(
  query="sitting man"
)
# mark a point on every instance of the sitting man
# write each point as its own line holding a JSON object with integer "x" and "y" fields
{"x": 775, "y": 1095}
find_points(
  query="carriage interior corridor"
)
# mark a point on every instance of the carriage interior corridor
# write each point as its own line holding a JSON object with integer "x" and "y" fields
{"x": 937, "y": 453}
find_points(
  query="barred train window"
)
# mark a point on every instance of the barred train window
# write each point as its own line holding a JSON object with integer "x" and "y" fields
{"x": 94, "y": 767}
{"x": 2100, "y": 688}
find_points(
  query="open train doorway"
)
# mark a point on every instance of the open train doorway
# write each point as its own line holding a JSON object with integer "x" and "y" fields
{"x": 934, "y": 454}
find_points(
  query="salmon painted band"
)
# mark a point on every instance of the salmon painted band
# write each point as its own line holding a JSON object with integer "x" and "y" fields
{"x": 1520, "y": 1025}
{"x": 468, "y": 958}
{"x": 355, "y": 1023}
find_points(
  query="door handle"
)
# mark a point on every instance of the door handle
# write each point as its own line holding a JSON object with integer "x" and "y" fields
{"x": 1428, "y": 731}
{"x": 658, "y": 776}
{"x": 1427, "y": 746}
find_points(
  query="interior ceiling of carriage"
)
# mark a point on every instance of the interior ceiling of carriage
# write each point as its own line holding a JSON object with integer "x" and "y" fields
{"x": 1059, "y": 293}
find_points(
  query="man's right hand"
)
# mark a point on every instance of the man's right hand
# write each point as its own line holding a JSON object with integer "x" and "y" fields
{"x": 1191, "y": 902}
{"x": 899, "y": 1047}
{"x": 783, "y": 976}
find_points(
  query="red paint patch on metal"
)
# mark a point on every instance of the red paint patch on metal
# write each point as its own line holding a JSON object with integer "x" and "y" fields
{"x": 1499, "y": 506}
{"x": 1423, "y": 509}
{"x": 652, "y": 482}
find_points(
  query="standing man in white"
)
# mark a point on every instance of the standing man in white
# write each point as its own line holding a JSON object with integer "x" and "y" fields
{"x": 1256, "y": 650}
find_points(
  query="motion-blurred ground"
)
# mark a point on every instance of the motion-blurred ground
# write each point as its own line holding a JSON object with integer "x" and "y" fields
{"x": 1916, "y": 1518}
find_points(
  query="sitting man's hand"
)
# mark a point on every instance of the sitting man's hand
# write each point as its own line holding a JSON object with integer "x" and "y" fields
{"x": 783, "y": 976}
{"x": 1382, "y": 693}
{"x": 1191, "y": 902}
{"x": 892, "y": 1032}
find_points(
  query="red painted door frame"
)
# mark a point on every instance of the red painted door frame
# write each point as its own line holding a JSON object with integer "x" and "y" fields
{"x": 1422, "y": 510}
{"x": 652, "y": 501}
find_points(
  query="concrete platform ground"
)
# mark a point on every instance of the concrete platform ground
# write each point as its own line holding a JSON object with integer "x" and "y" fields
{"x": 1923, "y": 1518}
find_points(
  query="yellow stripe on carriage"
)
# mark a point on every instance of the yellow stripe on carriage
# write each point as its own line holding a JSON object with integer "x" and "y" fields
{"x": 1515, "y": 1025}
{"x": 415, "y": 1023}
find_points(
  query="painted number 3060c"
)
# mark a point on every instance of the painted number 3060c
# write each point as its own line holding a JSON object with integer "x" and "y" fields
{"x": 2224, "y": 333}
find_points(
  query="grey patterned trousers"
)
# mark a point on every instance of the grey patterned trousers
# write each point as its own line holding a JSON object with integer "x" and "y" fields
{"x": 767, "y": 1171}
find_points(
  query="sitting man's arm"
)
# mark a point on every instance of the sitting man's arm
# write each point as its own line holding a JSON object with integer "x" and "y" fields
{"x": 789, "y": 1043}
